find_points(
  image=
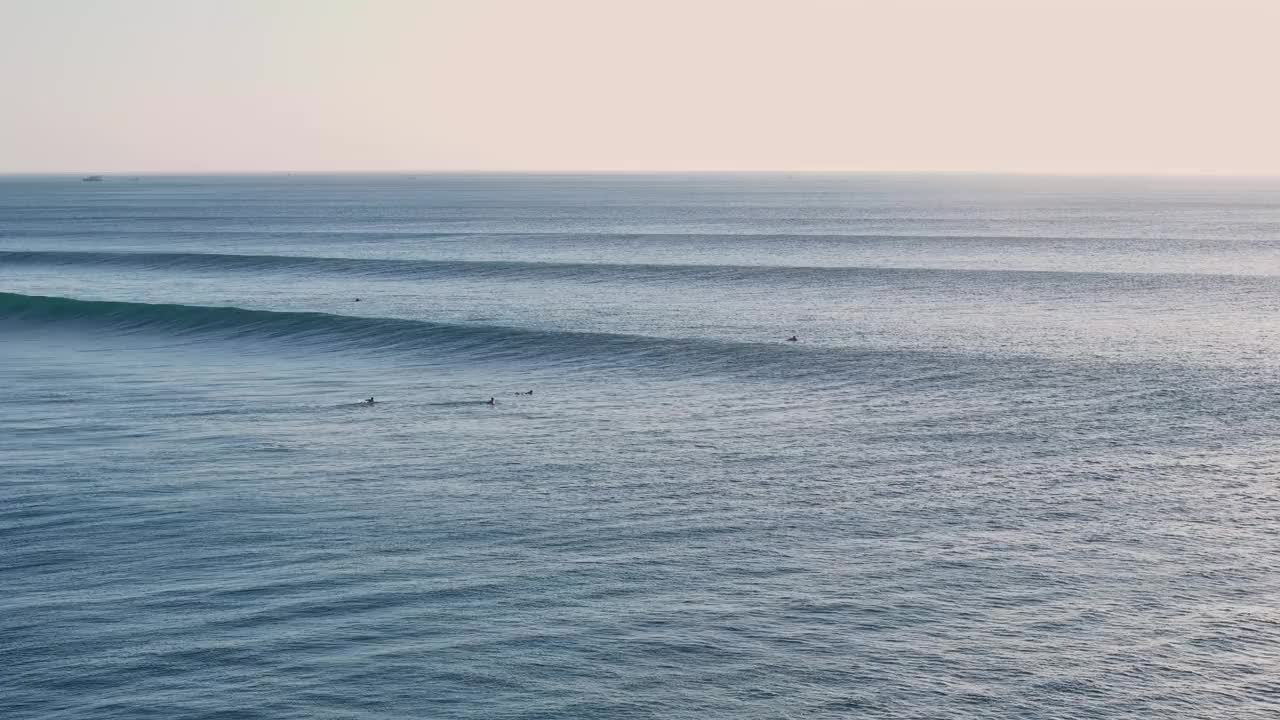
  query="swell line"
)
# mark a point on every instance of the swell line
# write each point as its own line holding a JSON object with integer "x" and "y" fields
{"x": 684, "y": 358}
{"x": 425, "y": 339}
{"x": 588, "y": 272}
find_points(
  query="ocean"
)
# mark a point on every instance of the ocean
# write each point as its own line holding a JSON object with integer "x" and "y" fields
{"x": 1020, "y": 461}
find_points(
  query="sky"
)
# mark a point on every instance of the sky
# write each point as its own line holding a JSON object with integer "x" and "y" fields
{"x": 1055, "y": 86}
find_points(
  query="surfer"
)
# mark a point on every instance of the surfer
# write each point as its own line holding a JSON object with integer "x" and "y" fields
{"x": 491, "y": 401}
{"x": 369, "y": 401}
{"x": 793, "y": 338}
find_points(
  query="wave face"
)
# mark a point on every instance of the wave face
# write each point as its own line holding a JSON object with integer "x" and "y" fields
{"x": 1019, "y": 464}
{"x": 1193, "y": 317}
{"x": 323, "y": 331}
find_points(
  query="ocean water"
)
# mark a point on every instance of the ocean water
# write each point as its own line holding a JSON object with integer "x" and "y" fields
{"x": 1022, "y": 461}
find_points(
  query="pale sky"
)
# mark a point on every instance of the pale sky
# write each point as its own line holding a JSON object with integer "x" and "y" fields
{"x": 1073, "y": 86}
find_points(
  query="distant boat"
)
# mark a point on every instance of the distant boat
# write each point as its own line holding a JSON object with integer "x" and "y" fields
{"x": 92, "y": 178}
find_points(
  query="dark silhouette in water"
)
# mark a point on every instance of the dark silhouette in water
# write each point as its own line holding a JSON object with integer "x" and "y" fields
{"x": 527, "y": 392}
{"x": 793, "y": 338}
{"x": 357, "y": 299}
{"x": 491, "y": 401}
{"x": 369, "y": 401}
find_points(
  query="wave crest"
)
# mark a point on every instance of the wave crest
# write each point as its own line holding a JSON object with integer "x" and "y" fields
{"x": 329, "y": 332}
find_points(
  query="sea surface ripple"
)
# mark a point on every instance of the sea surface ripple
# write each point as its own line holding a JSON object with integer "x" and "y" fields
{"x": 1020, "y": 461}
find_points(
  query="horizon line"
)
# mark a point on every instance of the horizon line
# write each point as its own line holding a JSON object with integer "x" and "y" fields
{"x": 550, "y": 172}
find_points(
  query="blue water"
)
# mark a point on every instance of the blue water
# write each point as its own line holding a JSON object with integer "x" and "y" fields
{"x": 1021, "y": 463}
